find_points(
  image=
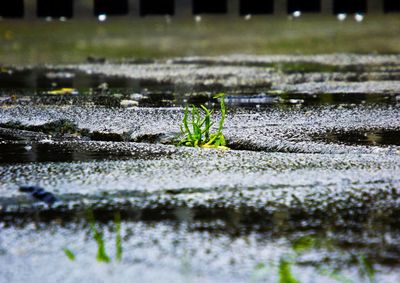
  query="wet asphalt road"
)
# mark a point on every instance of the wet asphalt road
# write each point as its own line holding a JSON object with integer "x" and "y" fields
{"x": 295, "y": 174}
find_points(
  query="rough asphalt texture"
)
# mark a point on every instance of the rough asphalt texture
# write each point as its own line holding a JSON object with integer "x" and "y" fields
{"x": 209, "y": 215}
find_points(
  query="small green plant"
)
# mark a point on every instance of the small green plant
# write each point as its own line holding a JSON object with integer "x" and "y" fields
{"x": 196, "y": 132}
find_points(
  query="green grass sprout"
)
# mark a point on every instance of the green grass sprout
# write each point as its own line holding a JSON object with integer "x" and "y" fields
{"x": 196, "y": 129}
{"x": 70, "y": 254}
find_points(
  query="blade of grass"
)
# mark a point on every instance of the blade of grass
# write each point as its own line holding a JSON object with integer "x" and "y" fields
{"x": 185, "y": 122}
{"x": 98, "y": 237}
{"x": 285, "y": 272}
{"x": 221, "y": 121}
{"x": 367, "y": 268}
{"x": 207, "y": 122}
{"x": 223, "y": 112}
{"x": 118, "y": 239}
{"x": 70, "y": 254}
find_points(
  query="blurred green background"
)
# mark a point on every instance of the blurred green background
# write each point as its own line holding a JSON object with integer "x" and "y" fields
{"x": 32, "y": 42}
{"x": 36, "y": 41}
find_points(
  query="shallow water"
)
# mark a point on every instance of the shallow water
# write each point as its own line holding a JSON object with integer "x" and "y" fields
{"x": 180, "y": 252}
{"x": 366, "y": 137}
{"x": 311, "y": 181}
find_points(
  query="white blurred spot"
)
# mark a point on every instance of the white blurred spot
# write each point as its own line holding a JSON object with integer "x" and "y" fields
{"x": 168, "y": 19}
{"x": 247, "y": 17}
{"x": 49, "y": 19}
{"x": 359, "y": 17}
{"x": 63, "y": 19}
{"x": 197, "y": 19}
{"x": 102, "y": 17}
{"x": 341, "y": 17}
{"x": 47, "y": 140}
{"x": 296, "y": 101}
{"x": 27, "y": 147}
{"x": 296, "y": 14}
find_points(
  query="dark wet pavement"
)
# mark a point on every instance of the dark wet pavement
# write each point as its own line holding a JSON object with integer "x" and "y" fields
{"x": 312, "y": 179}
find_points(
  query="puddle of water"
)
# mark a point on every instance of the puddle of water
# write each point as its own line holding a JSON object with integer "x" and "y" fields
{"x": 11, "y": 153}
{"x": 33, "y": 86}
{"x": 46, "y": 79}
{"x": 36, "y": 84}
{"x": 169, "y": 252}
{"x": 213, "y": 245}
{"x": 381, "y": 137}
{"x": 337, "y": 98}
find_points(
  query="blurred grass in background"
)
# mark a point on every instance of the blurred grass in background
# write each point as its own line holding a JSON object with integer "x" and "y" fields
{"x": 35, "y": 42}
